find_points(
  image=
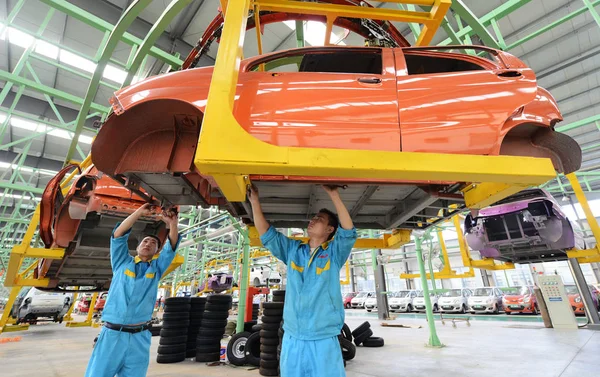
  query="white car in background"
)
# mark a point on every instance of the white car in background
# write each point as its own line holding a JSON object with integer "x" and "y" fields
{"x": 264, "y": 277}
{"x": 358, "y": 302}
{"x": 371, "y": 302}
{"x": 486, "y": 300}
{"x": 419, "y": 302}
{"x": 402, "y": 301}
{"x": 34, "y": 304}
{"x": 454, "y": 301}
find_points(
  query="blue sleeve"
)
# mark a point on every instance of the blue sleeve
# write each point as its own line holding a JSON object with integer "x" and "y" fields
{"x": 278, "y": 244}
{"x": 166, "y": 255}
{"x": 119, "y": 249}
{"x": 342, "y": 243}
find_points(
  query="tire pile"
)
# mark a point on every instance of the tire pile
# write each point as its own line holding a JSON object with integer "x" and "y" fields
{"x": 271, "y": 335}
{"x": 212, "y": 328}
{"x": 362, "y": 335}
{"x": 196, "y": 313}
{"x": 173, "y": 335}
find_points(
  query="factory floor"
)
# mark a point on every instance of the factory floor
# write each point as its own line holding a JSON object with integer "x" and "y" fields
{"x": 488, "y": 347}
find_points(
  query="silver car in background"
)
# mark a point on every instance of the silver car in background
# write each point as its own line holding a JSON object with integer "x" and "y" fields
{"x": 486, "y": 300}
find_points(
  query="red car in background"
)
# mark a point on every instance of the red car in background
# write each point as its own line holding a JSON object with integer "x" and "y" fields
{"x": 348, "y": 298}
{"x": 523, "y": 301}
{"x": 100, "y": 302}
{"x": 576, "y": 301}
{"x": 83, "y": 303}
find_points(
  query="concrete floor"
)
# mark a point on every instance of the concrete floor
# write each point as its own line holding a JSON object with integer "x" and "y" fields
{"x": 487, "y": 347}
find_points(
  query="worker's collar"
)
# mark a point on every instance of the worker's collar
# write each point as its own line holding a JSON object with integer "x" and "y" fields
{"x": 324, "y": 245}
{"x": 137, "y": 259}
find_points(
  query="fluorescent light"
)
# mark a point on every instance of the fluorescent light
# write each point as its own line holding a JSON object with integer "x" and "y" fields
{"x": 2, "y": 117}
{"x": 39, "y": 127}
{"x": 6, "y": 165}
{"x": 47, "y": 49}
{"x": 27, "y": 124}
{"x": 19, "y": 38}
{"x": 314, "y": 33}
{"x": 16, "y": 196}
{"x": 114, "y": 74}
{"x": 77, "y": 61}
{"x": 85, "y": 139}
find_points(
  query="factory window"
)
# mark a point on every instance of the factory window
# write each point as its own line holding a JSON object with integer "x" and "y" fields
{"x": 426, "y": 64}
{"x": 361, "y": 62}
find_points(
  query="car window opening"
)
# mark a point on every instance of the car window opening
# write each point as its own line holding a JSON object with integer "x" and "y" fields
{"x": 422, "y": 64}
{"x": 339, "y": 62}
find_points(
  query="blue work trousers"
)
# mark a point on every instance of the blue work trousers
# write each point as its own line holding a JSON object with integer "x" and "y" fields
{"x": 119, "y": 353}
{"x": 311, "y": 358}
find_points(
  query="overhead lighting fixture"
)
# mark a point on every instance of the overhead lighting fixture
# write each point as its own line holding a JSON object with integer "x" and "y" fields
{"x": 77, "y": 61}
{"x": 47, "y": 49}
{"x": 20, "y": 38}
{"x": 6, "y": 165}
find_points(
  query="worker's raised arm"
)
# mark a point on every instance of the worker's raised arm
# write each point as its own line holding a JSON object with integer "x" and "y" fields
{"x": 275, "y": 242}
{"x": 127, "y": 224}
{"x": 170, "y": 248}
{"x": 340, "y": 208}
{"x": 119, "y": 249}
{"x": 345, "y": 236}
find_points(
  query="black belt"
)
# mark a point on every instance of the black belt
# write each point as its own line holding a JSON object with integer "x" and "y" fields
{"x": 128, "y": 328}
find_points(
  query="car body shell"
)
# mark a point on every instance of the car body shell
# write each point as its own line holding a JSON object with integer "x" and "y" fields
{"x": 405, "y": 303}
{"x": 526, "y": 227}
{"x": 454, "y": 304}
{"x": 35, "y": 305}
{"x": 488, "y": 301}
{"x": 495, "y": 109}
{"x": 520, "y": 303}
{"x": 358, "y": 302}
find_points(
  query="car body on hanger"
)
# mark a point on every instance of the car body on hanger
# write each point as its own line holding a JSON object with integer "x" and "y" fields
{"x": 403, "y": 99}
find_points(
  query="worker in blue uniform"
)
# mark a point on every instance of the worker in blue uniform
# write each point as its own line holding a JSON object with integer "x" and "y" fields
{"x": 313, "y": 315}
{"x": 123, "y": 346}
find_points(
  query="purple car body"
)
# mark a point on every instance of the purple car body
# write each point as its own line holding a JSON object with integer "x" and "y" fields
{"x": 218, "y": 282}
{"x": 526, "y": 227}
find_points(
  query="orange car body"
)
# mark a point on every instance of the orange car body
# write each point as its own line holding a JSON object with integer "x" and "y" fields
{"x": 398, "y": 102}
{"x": 524, "y": 301}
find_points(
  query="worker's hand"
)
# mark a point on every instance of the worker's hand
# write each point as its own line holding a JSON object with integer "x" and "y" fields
{"x": 331, "y": 190}
{"x": 170, "y": 217}
{"x": 145, "y": 210}
{"x": 253, "y": 194}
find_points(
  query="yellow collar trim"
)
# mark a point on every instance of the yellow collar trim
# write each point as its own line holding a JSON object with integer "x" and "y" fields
{"x": 323, "y": 246}
{"x": 137, "y": 259}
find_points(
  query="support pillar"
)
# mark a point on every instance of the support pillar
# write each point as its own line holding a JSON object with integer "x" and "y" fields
{"x": 243, "y": 281}
{"x": 380, "y": 285}
{"x": 596, "y": 270}
{"x": 586, "y": 296}
{"x": 90, "y": 315}
{"x": 352, "y": 280}
{"x": 68, "y": 316}
{"x": 4, "y": 326}
{"x": 409, "y": 282}
{"x": 485, "y": 278}
{"x": 434, "y": 341}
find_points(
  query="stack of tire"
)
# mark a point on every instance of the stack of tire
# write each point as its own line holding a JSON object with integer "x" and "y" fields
{"x": 174, "y": 333}
{"x": 271, "y": 335}
{"x": 212, "y": 328}
{"x": 363, "y": 335}
{"x": 248, "y": 325}
{"x": 196, "y": 313}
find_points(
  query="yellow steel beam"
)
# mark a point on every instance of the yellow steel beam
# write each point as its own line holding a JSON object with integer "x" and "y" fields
{"x": 481, "y": 195}
{"x": 68, "y": 317}
{"x": 177, "y": 261}
{"x": 346, "y": 281}
{"x": 576, "y": 253}
{"x": 589, "y": 216}
{"x": 14, "y": 292}
{"x": 437, "y": 14}
{"x": 240, "y": 154}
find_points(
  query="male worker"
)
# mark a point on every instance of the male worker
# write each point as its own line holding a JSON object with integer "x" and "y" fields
{"x": 314, "y": 314}
{"x": 123, "y": 346}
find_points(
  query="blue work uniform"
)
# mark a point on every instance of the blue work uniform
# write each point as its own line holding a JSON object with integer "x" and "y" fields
{"x": 130, "y": 301}
{"x": 313, "y": 315}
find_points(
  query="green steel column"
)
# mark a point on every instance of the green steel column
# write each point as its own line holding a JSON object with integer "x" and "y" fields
{"x": 237, "y": 261}
{"x": 434, "y": 341}
{"x": 592, "y": 10}
{"x": 299, "y": 33}
{"x": 475, "y": 23}
{"x": 243, "y": 283}
{"x": 431, "y": 273}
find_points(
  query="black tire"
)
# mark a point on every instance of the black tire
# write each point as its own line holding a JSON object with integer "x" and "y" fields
{"x": 191, "y": 345}
{"x": 214, "y": 323}
{"x": 213, "y": 333}
{"x": 268, "y": 356}
{"x": 269, "y": 364}
{"x": 373, "y": 342}
{"x": 279, "y": 299}
{"x": 269, "y": 341}
{"x": 257, "y": 328}
{"x": 268, "y": 334}
{"x": 252, "y": 349}
{"x": 216, "y": 308}
{"x": 196, "y": 301}
{"x": 273, "y": 305}
{"x": 213, "y": 299}
{"x": 173, "y": 332}
{"x": 207, "y": 341}
{"x": 236, "y": 348}
{"x": 273, "y": 312}
{"x": 215, "y": 315}
{"x": 268, "y": 349}
{"x": 360, "y": 338}
{"x": 207, "y": 357}
{"x": 171, "y": 349}
{"x": 195, "y": 323}
{"x": 196, "y": 316}
{"x": 248, "y": 326}
{"x": 209, "y": 349}
{"x": 271, "y": 326}
{"x": 271, "y": 319}
{"x": 189, "y": 353}
{"x": 348, "y": 349}
{"x": 463, "y": 309}
{"x": 155, "y": 330}
{"x": 268, "y": 372}
{"x": 177, "y": 308}
{"x": 348, "y": 306}
{"x": 171, "y": 340}
{"x": 170, "y": 358}
{"x": 346, "y": 333}
{"x": 183, "y": 323}
{"x": 365, "y": 325}
{"x": 278, "y": 292}
{"x": 175, "y": 316}
{"x": 177, "y": 300}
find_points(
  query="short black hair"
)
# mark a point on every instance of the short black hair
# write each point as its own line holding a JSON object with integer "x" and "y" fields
{"x": 333, "y": 221}
{"x": 158, "y": 241}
